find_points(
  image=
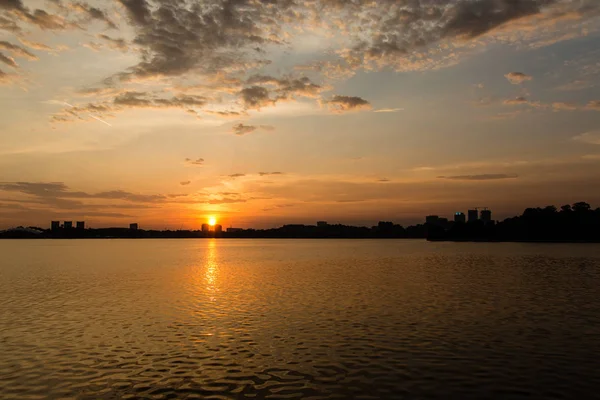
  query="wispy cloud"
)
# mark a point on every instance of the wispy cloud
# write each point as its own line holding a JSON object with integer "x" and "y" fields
{"x": 482, "y": 177}
{"x": 517, "y": 78}
{"x": 197, "y": 161}
{"x": 588, "y": 137}
{"x": 388, "y": 110}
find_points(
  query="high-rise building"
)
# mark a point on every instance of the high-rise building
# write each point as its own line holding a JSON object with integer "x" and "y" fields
{"x": 460, "y": 217}
{"x": 205, "y": 228}
{"x": 80, "y": 225}
{"x": 68, "y": 224}
{"x": 432, "y": 219}
{"x": 473, "y": 215}
{"x": 134, "y": 226}
{"x": 486, "y": 216}
{"x": 55, "y": 225}
{"x": 218, "y": 228}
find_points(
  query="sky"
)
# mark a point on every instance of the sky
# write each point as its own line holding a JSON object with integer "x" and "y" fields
{"x": 261, "y": 113}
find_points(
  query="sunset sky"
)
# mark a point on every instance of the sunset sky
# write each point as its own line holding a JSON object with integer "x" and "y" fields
{"x": 165, "y": 112}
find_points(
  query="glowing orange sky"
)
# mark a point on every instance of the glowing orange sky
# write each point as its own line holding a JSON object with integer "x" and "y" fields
{"x": 348, "y": 112}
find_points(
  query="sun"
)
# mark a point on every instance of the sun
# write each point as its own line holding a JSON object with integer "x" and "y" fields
{"x": 212, "y": 221}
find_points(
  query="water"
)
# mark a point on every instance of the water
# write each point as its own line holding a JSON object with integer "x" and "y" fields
{"x": 287, "y": 319}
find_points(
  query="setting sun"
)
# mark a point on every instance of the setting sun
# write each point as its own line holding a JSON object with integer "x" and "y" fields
{"x": 212, "y": 221}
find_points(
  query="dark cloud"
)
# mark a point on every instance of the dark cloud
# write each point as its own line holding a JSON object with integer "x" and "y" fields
{"x": 269, "y": 173}
{"x": 8, "y": 61}
{"x": 59, "y": 190}
{"x": 398, "y": 32}
{"x": 9, "y": 25}
{"x": 185, "y": 183}
{"x": 256, "y": 97}
{"x": 516, "y": 78}
{"x": 516, "y": 101}
{"x": 178, "y": 37}
{"x": 241, "y": 129}
{"x": 93, "y": 13}
{"x": 138, "y": 11}
{"x": 470, "y": 19}
{"x": 17, "y": 50}
{"x": 227, "y": 114}
{"x": 117, "y": 44}
{"x": 348, "y": 103}
{"x": 197, "y": 161}
{"x": 287, "y": 87}
{"x": 482, "y": 177}
{"x": 238, "y": 175}
{"x": 383, "y": 180}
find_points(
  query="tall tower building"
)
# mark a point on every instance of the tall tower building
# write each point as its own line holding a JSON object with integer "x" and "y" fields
{"x": 460, "y": 217}
{"x": 486, "y": 216}
{"x": 473, "y": 215}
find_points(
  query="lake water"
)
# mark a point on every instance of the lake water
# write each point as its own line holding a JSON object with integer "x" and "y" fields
{"x": 286, "y": 319}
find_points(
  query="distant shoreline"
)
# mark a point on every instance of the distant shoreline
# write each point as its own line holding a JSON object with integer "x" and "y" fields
{"x": 318, "y": 238}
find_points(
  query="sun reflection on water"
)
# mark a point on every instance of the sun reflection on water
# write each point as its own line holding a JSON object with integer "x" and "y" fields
{"x": 211, "y": 270}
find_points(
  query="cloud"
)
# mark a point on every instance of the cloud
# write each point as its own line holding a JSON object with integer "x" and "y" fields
{"x": 388, "y": 110}
{"x": 588, "y": 137}
{"x": 269, "y": 173}
{"x": 17, "y": 50}
{"x": 227, "y": 114}
{"x": 241, "y": 129}
{"x": 58, "y": 190}
{"x": 593, "y": 105}
{"x": 516, "y": 78}
{"x": 383, "y": 180}
{"x": 238, "y": 175}
{"x": 198, "y": 161}
{"x": 256, "y": 97}
{"x": 35, "y": 45}
{"x": 288, "y": 87}
{"x": 564, "y": 106}
{"x": 41, "y": 18}
{"x": 226, "y": 200}
{"x": 116, "y": 44}
{"x": 482, "y": 177}
{"x": 516, "y": 101}
{"x": 8, "y": 61}
{"x": 342, "y": 104}
{"x": 185, "y": 183}
{"x": 93, "y": 13}
{"x": 9, "y": 25}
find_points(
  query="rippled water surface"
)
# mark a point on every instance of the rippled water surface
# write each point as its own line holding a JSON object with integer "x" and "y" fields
{"x": 286, "y": 319}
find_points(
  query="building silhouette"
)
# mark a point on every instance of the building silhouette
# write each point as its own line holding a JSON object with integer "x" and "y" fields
{"x": 460, "y": 217}
{"x": 205, "y": 228}
{"x": 68, "y": 225}
{"x": 218, "y": 228}
{"x": 55, "y": 225}
{"x": 473, "y": 215}
{"x": 486, "y": 216}
{"x": 134, "y": 226}
{"x": 80, "y": 224}
{"x": 322, "y": 224}
{"x": 234, "y": 230}
{"x": 432, "y": 219}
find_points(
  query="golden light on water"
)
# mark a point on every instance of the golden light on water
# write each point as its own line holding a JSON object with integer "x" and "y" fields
{"x": 212, "y": 221}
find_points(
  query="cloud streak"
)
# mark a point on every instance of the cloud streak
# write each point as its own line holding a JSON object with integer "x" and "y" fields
{"x": 482, "y": 177}
{"x": 517, "y": 78}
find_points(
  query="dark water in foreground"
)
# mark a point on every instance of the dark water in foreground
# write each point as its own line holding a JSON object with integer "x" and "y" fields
{"x": 286, "y": 319}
